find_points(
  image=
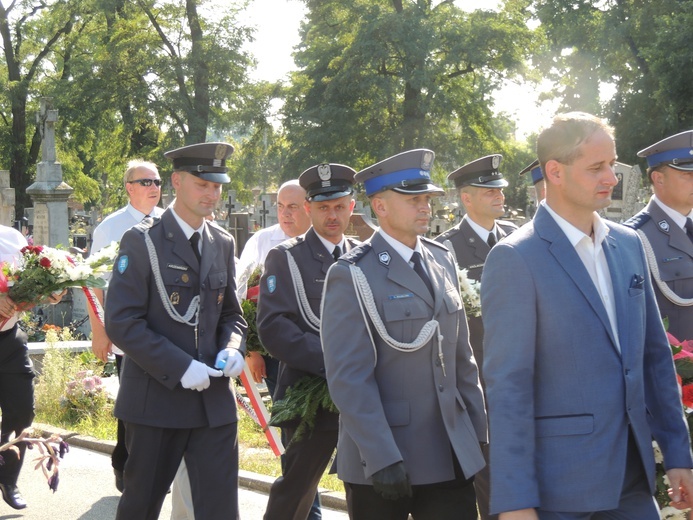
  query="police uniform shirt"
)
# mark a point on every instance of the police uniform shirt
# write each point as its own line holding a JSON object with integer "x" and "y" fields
{"x": 11, "y": 242}
{"x": 330, "y": 246}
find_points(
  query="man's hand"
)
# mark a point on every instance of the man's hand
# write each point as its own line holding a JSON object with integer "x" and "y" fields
{"x": 256, "y": 365}
{"x": 101, "y": 346}
{"x": 197, "y": 376}
{"x": 520, "y": 514}
{"x": 392, "y": 482}
{"x": 231, "y": 360}
{"x": 681, "y": 490}
{"x": 56, "y": 297}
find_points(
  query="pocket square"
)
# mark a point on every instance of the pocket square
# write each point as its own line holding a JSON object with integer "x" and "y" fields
{"x": 637, "y": 282}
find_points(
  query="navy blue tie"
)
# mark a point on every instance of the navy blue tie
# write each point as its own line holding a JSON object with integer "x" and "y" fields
{"x": 689, "y": 228}
{"x": 416, "y": 260}
{"x": 195, "y": 243}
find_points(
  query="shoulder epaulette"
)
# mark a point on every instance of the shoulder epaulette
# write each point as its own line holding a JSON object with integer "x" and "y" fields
{"x": 147, "y": 223}
{"x": 356, "y": 254}
{"x": 507, "y": 223}
{"x": 288, "y": 244}
{"x": 638, "y": 221}
{"x": 216, "y": 226}
{"x": 430, "y": 242}
{"x": 447, "y": 234}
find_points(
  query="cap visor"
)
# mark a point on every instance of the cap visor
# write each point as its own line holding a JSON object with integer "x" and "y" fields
{"x": 318, "y": 197}
{"x": 688, "y": 167}
{"x": 419, "y": 188}
{"x": 500, "y": 183}
{"x": 220, "y": 178}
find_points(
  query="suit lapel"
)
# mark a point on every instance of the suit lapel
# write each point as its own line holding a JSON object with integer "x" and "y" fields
{"x": 620, "y": 284}
{"x": 481, "y": 248}
{"x": 209, "y": 253}
{"x": 437, "y": 275}
{"x": 181, "y": 246}
{"x": 565, "y": 254}
{"x": 318, "y": 250}
{"x": 677, "y": 236}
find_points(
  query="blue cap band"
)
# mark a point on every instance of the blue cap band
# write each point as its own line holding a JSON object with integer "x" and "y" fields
{"x": 536, "y": 174}
{"x": 686, "y": 154}
{"x": 409, "y": 177}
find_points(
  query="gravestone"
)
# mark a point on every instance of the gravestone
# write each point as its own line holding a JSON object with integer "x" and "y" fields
{"x": 263, "y": 213}
{"x": 360, "y": 226}
{"x": 49, "y": 194}
{"x": 7, "y": 199}
{"x": 238, "y": 227}
{"x": 625, "y": 194}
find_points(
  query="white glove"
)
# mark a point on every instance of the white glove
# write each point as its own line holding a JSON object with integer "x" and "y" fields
{"x": 231, "y": 360}
{"x": 197, "y": 376}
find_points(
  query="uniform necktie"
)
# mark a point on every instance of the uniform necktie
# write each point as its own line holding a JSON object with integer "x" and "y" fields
{"x": 689, "y": 228}
{"x": 336, "y": 253}
{"x": 491, "y": 240}
{"x": 195, "y": 243}
{"x": 416, "y": 260}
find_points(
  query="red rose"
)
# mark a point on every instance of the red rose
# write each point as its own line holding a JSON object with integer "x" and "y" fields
{"x": 44, "y": 262}
{"x": 253, "y": 293}
{"x": 687, "y": 397}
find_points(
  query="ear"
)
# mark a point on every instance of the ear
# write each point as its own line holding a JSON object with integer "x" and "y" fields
{"x": 379, "y": 206}
{"x": 306, "y": 207}
{"x": 176, "y": 180}
{"x": 553, "y": 172}
{"x": 352, "y": 205}
{"x": 657, "y": 178}
{"x": 465, "y": 198}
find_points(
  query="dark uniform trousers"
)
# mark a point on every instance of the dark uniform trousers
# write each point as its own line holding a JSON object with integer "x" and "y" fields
{"x": 16, "y": 398}
{"x": 155, "y": 455}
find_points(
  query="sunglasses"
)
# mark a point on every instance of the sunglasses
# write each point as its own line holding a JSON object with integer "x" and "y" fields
{"x": 146, "y": 182}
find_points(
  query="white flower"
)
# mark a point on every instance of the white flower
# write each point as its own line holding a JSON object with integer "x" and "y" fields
{"x": 470, "y": 292}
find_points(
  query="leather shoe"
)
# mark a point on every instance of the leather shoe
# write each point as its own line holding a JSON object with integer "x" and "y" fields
{"x": 118, "y": 480}
{"x": 12, "y": 496}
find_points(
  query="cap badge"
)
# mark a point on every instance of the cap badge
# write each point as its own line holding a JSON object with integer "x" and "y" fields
{"x": 220, "y": 152}
{"x": 324, "y": 172}
{"x": 663, "y": 225}
{"x": 427, "y": 161}
{"x": 495, "y": 161}
{"x": 384, "y": 258}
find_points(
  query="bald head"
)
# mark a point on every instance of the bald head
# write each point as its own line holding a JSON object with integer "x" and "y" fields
{"x": 293, "y": 218}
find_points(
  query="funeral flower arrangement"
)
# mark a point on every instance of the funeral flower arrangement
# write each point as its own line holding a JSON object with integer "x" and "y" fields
{"x": 683, "y": 361}
{"x": 470, "y": 292}
{"x": 249, "y": 306}
{"x": 43, "y": 271}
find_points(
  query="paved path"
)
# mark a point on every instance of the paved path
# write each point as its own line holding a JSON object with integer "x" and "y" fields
{"x": 87, "y": 492}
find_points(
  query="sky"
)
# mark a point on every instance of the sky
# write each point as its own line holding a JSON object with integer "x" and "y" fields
{"x": 277, "y": 34}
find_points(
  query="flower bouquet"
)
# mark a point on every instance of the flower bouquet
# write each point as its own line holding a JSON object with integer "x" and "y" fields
{"x": 470, "y": 292}
{"x": 683, "y": 361}
{"x": 249, "y": 306}
{"x": 42, "y": 272}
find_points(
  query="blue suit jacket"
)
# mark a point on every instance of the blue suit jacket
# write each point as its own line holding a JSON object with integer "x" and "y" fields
{"x": 560, "y": 394}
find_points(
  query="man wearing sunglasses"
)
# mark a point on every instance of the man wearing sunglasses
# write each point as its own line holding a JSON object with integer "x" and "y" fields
{"x": 143, "y": 186}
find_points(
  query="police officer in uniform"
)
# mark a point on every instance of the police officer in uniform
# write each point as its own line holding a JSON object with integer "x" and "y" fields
{"x": 398, "y": 360}
{"x": 172, "y": 308}
{"x": 480, "y": 187}
{"x": 534, "y": 170}
{"x": 666, "y": 228}
{"x": 288, "y": 323}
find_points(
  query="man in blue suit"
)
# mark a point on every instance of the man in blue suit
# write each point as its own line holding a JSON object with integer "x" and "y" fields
{"x": 579, "y": 374}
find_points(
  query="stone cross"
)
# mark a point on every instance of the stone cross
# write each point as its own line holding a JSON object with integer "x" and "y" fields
{"x": 266, "y": 202}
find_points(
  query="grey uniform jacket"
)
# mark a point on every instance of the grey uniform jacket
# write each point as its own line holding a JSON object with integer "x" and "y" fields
{"x": 674, "y": 253}
{"x": 282, "y": 328}
{"x": 401, "y": 406}
{"x": 158, "y": 349}
{"x": 471, "y": 252}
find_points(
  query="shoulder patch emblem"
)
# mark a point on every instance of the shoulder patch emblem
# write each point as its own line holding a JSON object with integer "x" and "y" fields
{"x": 384, "y": 258}
{"x": 122, "y": 263}
{"x": 271, "y": 283}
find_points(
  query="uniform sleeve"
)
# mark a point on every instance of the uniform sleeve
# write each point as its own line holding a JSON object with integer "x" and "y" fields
{"x": 281, "y": 328}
